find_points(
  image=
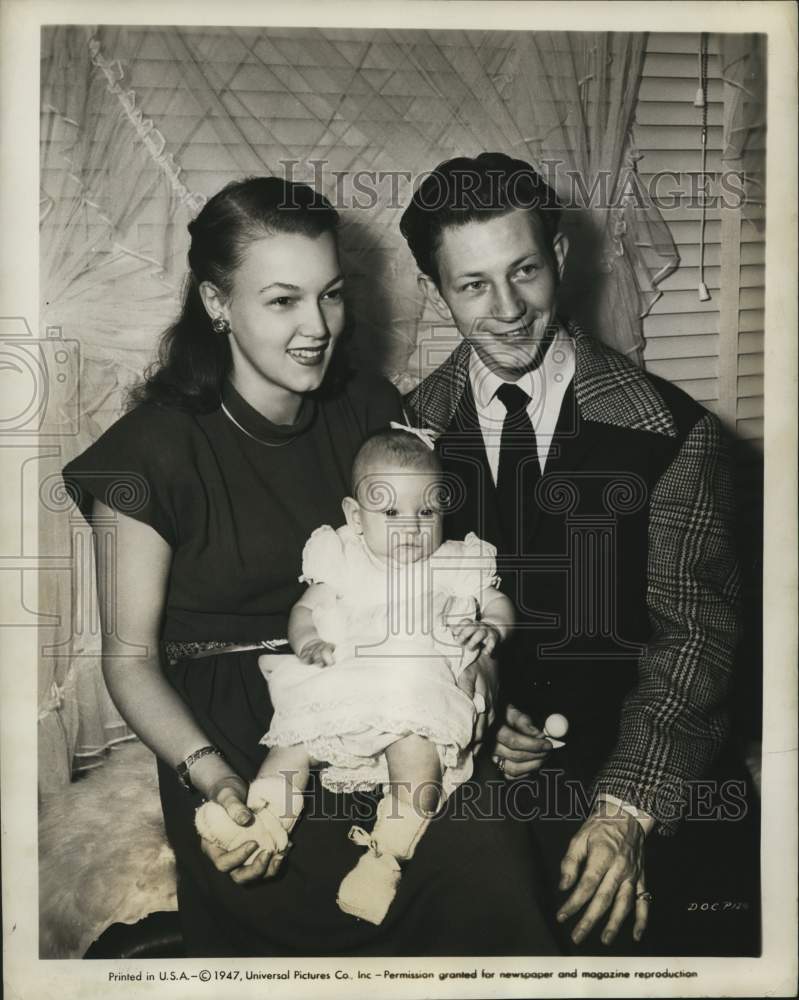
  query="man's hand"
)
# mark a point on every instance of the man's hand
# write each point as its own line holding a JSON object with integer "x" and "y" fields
{"x": 520, "y": 744}
{"x": 480, "y": 678}
{"x": 318, "y": 652}
{"x": 609, "y": 849}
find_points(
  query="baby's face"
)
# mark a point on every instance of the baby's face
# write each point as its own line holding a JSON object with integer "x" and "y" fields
{"x": 399, "y": 515}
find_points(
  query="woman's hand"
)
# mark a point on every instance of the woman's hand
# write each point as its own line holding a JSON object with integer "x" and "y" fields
{"x": 318, "y": 652}
{"x": 521, "y": 746}
{"x": 231, "y": 794}
{"x": 480, "y": 678}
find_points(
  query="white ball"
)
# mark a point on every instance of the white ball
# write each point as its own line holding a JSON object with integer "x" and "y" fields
{"x": 557, "y": 726}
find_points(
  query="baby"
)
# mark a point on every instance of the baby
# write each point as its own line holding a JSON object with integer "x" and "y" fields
{"x": 390, "y": 619}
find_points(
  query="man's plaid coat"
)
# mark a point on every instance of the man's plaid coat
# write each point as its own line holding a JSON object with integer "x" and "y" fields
{"x": 647, "y": 703}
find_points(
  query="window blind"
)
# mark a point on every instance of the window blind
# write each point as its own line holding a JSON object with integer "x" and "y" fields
{"x": 683, "y": 333}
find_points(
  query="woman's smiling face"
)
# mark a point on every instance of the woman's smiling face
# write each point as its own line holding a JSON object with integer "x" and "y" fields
{"x": 285, "y": 311}
{"x": 498, "y": 279}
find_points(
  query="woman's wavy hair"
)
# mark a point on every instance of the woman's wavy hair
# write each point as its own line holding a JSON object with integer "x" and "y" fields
{"x": 194, "y": 361}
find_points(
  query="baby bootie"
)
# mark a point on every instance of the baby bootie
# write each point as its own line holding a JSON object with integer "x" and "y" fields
{"x": 369, "y": 889}
{"x": 276, "y": 806}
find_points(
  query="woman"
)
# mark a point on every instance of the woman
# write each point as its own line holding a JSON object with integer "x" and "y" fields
{"x": 240, "y": 446}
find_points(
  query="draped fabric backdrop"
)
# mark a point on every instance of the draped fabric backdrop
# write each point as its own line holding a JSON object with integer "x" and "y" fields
{"x": 743, "y": 67}
{"x": 141, "y": 125}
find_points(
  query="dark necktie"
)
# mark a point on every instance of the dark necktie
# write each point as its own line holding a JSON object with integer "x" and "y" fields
{"x": 518, "y": 470}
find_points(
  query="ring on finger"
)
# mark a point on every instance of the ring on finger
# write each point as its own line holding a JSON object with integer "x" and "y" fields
{"x": 645, "y": 895}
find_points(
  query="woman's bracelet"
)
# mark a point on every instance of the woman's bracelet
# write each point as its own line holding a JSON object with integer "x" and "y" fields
{"x": 185, "y": 766}
{"x": 229, "y": 781}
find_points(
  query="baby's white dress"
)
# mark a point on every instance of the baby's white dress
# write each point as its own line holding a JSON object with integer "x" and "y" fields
{"x": 396, "y": 662}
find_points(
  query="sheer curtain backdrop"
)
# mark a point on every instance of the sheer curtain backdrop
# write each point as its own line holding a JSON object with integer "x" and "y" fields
{"x": 140, "y": 125}
{"x": 743, "y": 66}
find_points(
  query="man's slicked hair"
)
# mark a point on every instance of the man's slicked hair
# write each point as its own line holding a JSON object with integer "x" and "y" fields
{"x": 467, "y": 189}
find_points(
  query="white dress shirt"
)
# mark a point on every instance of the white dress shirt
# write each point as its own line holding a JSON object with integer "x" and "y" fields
{"x": 546, "y": 386}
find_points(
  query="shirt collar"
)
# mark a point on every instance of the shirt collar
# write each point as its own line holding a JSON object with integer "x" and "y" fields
{"x": 485, "y": 382}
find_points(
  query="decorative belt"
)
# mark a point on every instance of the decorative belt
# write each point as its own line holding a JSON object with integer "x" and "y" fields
{"x": 176, "y": 650}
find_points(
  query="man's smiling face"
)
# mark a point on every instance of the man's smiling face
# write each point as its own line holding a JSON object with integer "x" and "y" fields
{"x": 498, "y": 279}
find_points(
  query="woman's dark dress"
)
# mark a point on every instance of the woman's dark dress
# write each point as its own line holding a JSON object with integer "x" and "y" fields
{"x": 236, "y": 513}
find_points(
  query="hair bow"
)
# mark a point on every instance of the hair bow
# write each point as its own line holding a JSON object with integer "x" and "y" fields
{"x": 425, "y": 435}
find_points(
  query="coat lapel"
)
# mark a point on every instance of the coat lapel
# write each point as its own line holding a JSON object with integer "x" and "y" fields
{"x": 609, "y": 389}
{"x": 435, "y": 401}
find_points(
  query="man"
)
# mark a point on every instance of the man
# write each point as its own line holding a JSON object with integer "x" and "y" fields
{"x": 607, "y": 493}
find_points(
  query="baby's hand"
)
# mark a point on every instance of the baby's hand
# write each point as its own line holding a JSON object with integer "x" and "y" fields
{"x": 319, "y": 652}
{"x": 476, "y": 635}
